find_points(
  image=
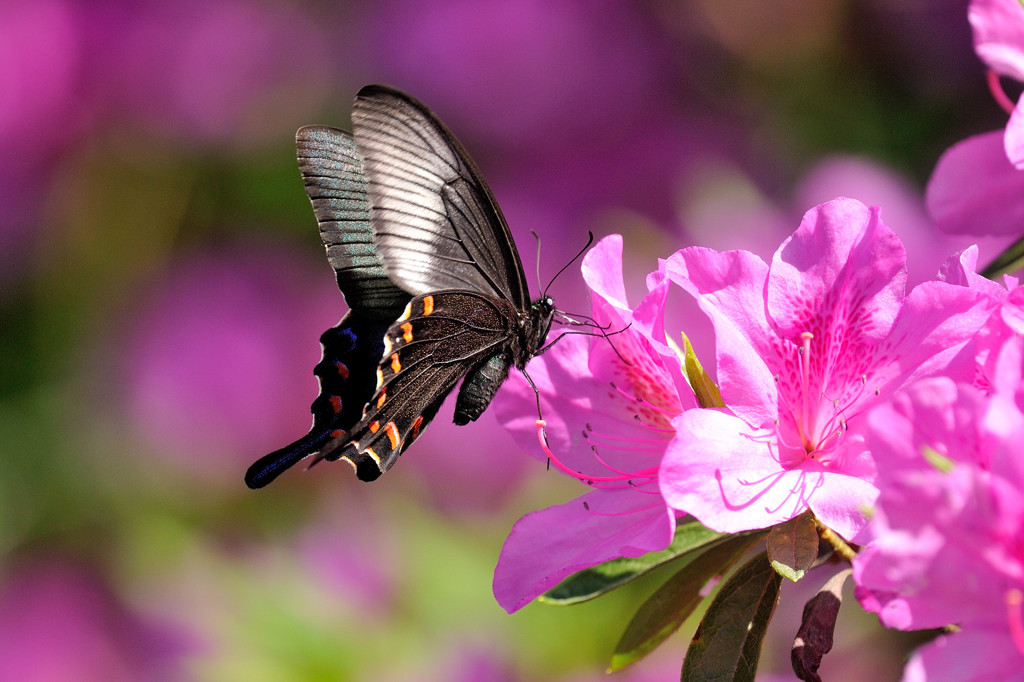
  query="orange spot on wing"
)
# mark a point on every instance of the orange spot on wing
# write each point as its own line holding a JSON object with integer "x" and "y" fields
{"x": 382, "y": 398}
{"x": 428, "y": 305}
{"x": 336, "y": 403}
{"x": 407, "y": 332}
{"x": 392, "y": 432}
{"x": 337, "y": 433}
{"x": 416, "y": 427}
{"x": 396, "y": 366}
{"x": 342, "y": 369}
{"x": 374, "y": 426}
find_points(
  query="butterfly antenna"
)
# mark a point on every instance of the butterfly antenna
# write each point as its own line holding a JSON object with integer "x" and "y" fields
{"x": 588, "y": 321}
{"x": 590, "y": 240}
{"x": 536, "y": 259}
{"x": 602, "y": 333}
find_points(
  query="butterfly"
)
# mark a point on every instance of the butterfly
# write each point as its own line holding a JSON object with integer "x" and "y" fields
{"x": 434, "y": 284}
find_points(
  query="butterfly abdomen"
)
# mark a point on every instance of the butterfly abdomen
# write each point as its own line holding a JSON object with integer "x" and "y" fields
{"x": 480, "y": 386}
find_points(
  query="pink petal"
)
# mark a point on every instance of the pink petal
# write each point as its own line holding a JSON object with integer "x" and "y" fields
{"x": 547, "y": 546}
{"x": 717, "y": 470}
{"x": 998, "y": 27}
{"x": 729, "y": 287}
{"x": 842, "y": 262}
{"x": 936, "y": 321}
{"x": 962, "y": 269}
{"x": 975, "y": 190}
{"x": 1013, "y": 140}
{"x": 602, "y": 271}
{"x": 1013, "y": 310}
{"x": 967, "y": 656}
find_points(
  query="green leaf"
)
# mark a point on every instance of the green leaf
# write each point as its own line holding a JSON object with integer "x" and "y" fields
{"x": 672, "y": 603}
{"x": 593, "y": 582}
{"x": 793, "y": 546}
{"x": 1009, "y": 260}
{"x": 703, "y": 387}
{"x": 727, "y": 644}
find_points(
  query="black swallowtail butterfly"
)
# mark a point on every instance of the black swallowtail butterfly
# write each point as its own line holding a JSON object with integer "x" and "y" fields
{"x": 434, "y": 284}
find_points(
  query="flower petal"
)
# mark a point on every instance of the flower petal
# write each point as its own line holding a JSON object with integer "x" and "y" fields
{"x": 936, "y": 321}
{"x": 729, "y": 287}
{"x": 998, "y": 27}
{"x": 968, "y": 655}
{"x": 1013, "y": 141}
{"x": 975, "y": 190}
{"x": 549, "y": 545}
{"x": 841, "y": 263}
{"x": 602, "y": 271}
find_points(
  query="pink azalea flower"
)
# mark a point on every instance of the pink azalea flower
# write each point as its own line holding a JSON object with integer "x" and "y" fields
{"x": 608, "y": 404}
{"x": 978, "y": 184}
{"x": 948, "y": 525}
{"x": 979, "y": 355}
{"x": 998, "y": 27}
{"x": 804, "y": 347}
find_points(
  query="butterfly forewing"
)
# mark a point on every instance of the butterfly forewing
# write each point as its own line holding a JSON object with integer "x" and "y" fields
{"x": 436, "y": 223}
{"x": 333, "y": 172}
{"x": 427, "y": 351}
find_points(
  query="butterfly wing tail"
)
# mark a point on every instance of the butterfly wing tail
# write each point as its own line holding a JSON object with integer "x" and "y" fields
{"x": 267, "y": 468}
{"x": 347, "y": 377}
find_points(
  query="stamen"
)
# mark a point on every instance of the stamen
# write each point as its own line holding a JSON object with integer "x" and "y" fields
{"x": 590, "y": 480}
{"x": 644, "y": 424}
{"x": 805, "y": 376}
{"x": 605, "y": 464}
{"x": 781, "y": 438}
{"x": 590, "y": 434}
{"x": 998, "y": 94}
{"x": 641, "y": 401}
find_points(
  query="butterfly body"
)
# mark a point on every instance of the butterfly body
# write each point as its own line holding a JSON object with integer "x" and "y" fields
{"x": 431, "y": 274}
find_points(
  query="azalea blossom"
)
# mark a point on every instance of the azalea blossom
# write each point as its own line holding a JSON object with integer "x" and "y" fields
{"x": 608, "y": 403}
{"x": 804, "y": 347}
{"x": 978, "y": 184}
{"x": 1007, "y": 299}
{"x": 998, "y": 27}
{"x": 948, "y": 524}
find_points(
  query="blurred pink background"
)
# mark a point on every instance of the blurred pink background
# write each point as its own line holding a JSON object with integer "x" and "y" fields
{"x": 162, "y": 289}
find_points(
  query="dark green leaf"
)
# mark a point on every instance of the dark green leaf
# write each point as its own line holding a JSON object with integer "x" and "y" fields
{"x": 793, "y": 546}
{"x": 727, "y": 643}
{"x": 704, "y": 388}
{"x": 666, "y": 609}
{"x": 814, "y": 639}
{"x": 594, "y": 582}
{"x": 1009, "y": 260}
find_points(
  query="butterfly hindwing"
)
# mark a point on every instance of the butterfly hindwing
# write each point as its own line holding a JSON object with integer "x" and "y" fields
{"x": 442, "y": 337}
{"x": 347, "y": 377}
